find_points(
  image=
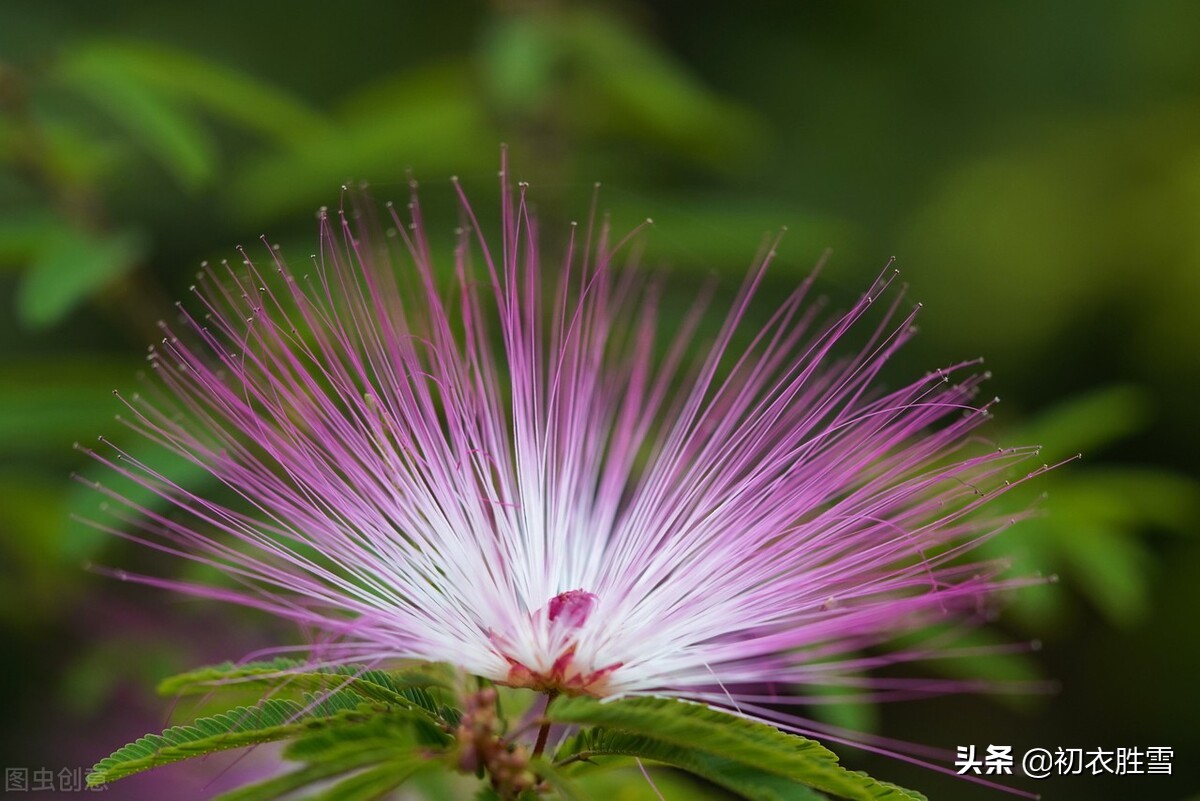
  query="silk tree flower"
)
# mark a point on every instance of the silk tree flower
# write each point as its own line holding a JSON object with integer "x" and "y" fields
{"x": 523, "y": 471}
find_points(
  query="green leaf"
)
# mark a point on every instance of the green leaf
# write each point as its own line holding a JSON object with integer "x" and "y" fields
{"x": 382, "y": 741}
{"x": 297, "y": 779}
{"x": 37, "y": 585}
{"x": 379, "y": 734}
{"x": 747, "y": 781}
{"x": 644, "y": 92}
{"x": 218, "y": 89}
{"x": 270, "y": 721}
{"x": 23, "y": 234}
{"x": 706, "y": 233}
{"x": 75, "y": 156}
{"x": 521, "y": 55}
{"x": 846, "y": 710}
{"x": 566, "y": 788}
{"x": 751, "y": 758}
{"x": 429, "y": 120}
{"x": 619, "y": 778}
{"x": 71, "y": 267}
{"x": 1111, "y": 567}
{"x": 407, "y": 689}
{"x": 1150, "y": 496}
{"x": 82, "y": 541}
{"x": 48, "y": 403}
{"x": 1087, "y": 422}
{"x": 375, "y": 782}
{"x": 155, "y": 120}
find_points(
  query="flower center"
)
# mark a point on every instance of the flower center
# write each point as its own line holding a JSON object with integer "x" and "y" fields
{"x": 563, "y": 616}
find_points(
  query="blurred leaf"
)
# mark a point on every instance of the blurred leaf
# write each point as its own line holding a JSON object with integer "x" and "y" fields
{"x": 149, "y": 117}
{"x": 845, "y": 712}
{"x": 1004, "y": 233}
{"x": 619, "y": 779}
{"x": 1087, "y": 422}
{"x": 650, "y": 93}
{"x": 292, "y": 781}
{"x": 1110, "y": 567}
{"x": 10, "y": 139}
{"x": 586, "y": 71}
{"x": 94, "y": 675}
{"x": 744, "y": 780}
{"x": 984, "y": 660}
{"x": 376, "y": 781}
{"x": 76, "y": 156}
{"x": 70, "y": 267}
{"x": 33, "y": 583}
{"x": 50, "y": 403}
{"x": 23, "y": 233}
{"x": 521, "y": 56}
{"x": 565, "y": 786}
{"x": 222, "y": 90}
{"x": 723, "y": 233}
{"x": 428, "y": 120}
{"x": 81, "y": 541}
{"x": 1091, "y": 530}
{"x": 1149, "y": 496}
{"x": 982, "y": 656}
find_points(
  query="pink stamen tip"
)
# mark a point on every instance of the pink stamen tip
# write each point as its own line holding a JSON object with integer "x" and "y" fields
{"x": 572, "y": 608}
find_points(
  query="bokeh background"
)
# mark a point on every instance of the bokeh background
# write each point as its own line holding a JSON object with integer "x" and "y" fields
{"x": 1035, "y": 167}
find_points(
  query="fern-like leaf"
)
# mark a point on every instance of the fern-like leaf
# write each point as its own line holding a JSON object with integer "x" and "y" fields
{"x": 270, "y": 721}
{"x": 417, "y": 689}
{"x": 753, "y": 759}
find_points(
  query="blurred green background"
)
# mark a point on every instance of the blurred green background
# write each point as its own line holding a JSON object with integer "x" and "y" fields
{"x": 1035, "y": 166}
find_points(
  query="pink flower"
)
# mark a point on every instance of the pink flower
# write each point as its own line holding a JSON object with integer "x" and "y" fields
{"x": 522, "y": 471}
